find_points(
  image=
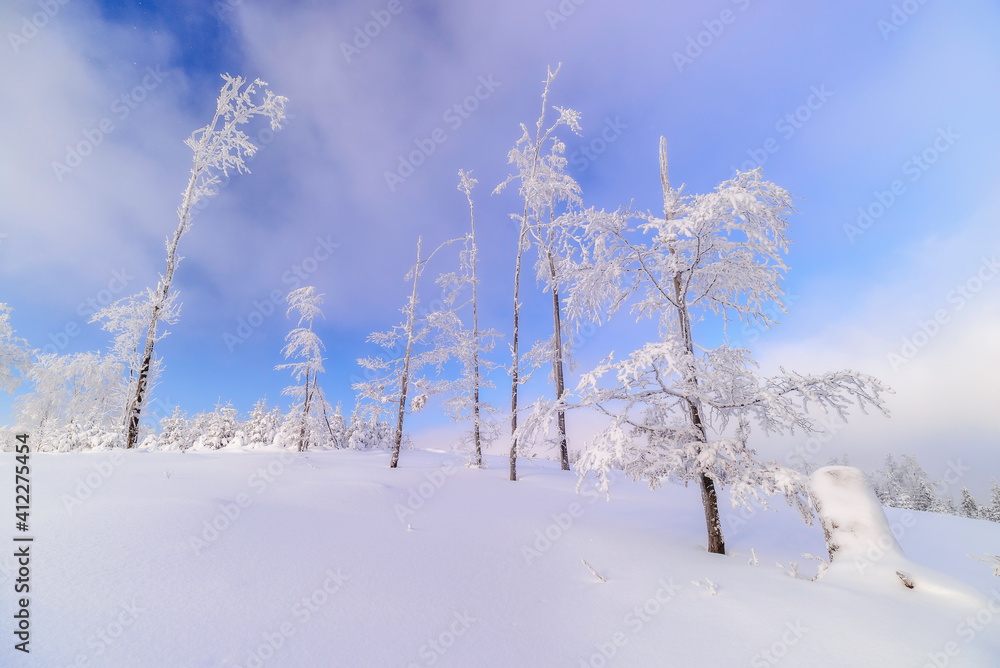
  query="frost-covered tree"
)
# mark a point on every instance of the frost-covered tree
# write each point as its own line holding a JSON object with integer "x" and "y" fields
{"x": 367, "y": 431}
{"x": 905, "y": 484}
{"x": 923, "y": 497}
{"x": 994, "y": 509}
{"x": 888, "y": 484}
{"x": 127, "y": 320}
{"x": 15, "y": 355}
{"x": 677, "y": 410}
{"x": 303, "y": 343}
{"x": 262, "y": 425}
{"x": 175, "y": 432}
{"x": 338, "y": 429}
{"x": 968, "y": 506}
{"x": 219, "y": 147}
{"x": 391, "y": 377}
{"x": 73, "y": 400}
{"x": 220, "y": 428}
{"x": 467, "y": 346}
{"x": 549, "y": 195}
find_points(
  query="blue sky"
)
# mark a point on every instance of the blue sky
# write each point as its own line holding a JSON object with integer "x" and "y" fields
{"x": 835, "y": 100}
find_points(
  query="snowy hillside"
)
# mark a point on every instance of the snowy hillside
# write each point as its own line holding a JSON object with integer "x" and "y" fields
{"x": 332, "y": 559}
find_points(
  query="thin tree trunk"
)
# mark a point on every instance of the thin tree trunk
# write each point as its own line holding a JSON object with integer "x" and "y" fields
{"x": 163, "y": 291}
{"x": 557, "y": 363}
{"x": 305, "y": 416}
{"x": 515, "y": 363}
{"x": 405, "y": 377}
{"x": 517, "y": 281}
{"x": 709, "y": 497}
{"x": 475, "y": 342}
{"x": 326, "y": 418}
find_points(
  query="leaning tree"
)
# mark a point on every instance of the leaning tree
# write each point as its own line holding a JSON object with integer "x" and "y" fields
{"x": 218, "y": 147}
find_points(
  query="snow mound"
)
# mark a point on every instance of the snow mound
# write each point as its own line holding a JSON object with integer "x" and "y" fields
{"x": 851, "y": 516}
{"x": 862, "y": 543}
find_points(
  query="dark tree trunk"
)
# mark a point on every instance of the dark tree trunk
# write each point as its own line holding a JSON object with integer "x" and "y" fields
{"x": 404, "y": 380}
{"x": 709, "y": 497}
{"x": 557, "y": 364}
{"x": 475, "y": 341}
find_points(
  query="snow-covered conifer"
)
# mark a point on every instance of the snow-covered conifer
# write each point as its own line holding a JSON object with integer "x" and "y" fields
{"x": 262, "y": 425}
{"x": 367, "y": 431}
{"x": 174, "y": 432}
{"x": 338, "y": 429}
{"x": 220, "y": 427}
{"x": 922, "y": 497}
{"x": 303, "y": 343}
{"x": 968, "y": 507}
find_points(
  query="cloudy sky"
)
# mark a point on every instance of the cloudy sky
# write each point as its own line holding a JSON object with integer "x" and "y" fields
{"x": 879, "y": 116}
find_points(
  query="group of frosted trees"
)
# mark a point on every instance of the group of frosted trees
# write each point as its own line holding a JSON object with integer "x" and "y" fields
{"x": 673, "y": 409}
{"x": 266, "y": 426}
{"x": 905, "y": 484}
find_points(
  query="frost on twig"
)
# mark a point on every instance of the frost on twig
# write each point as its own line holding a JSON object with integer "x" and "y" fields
{"x": 591, "y": 569}
{"x": 821, "y": 569}
{"x": 708, "y": 585}
{"x": 993, "y": 560}
{"x": 792, "y": 570}
{"x": 907, "y": 580}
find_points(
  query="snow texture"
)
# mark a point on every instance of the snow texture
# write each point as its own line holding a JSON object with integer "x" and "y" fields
{"x": 204, "y": 567}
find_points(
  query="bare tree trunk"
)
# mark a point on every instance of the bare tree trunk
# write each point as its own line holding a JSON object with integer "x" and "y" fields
{"x": 163, "y": 291}
{"x": 557, "y": 363}
{"x": 516, "y": 362}
{"x": 475, "y": 342}
{"x": 710, "y": 501}
{"x": 319, "y": 393}
{"x": 404, "y": 379}
{"x": 709, "y": 496}
{"x": 517, "y": 282}
{"x": 305, "y": 416}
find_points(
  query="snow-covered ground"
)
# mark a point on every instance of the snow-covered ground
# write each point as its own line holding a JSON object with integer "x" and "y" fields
{"x": 331, "y": 559}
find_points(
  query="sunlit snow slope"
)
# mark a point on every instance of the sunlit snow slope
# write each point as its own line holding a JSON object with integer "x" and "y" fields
{"x": 332, "y": 559}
